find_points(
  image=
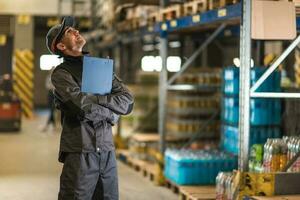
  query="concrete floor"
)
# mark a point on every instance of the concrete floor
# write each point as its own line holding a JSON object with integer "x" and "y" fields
{"x": 29, "y": 168}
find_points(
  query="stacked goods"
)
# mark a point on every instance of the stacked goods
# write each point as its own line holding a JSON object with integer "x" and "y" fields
{"x": 258, "y": 135}
{"x": 171, "y": 12}
{"x": 144, "y": 117}
{"x": 195, "y": 7}
{"x": 134, "y": 17}
{"x": 140, "y": 14}
{"x": 106, "y": 13}
{"x": 297, "y": 6}
{"x": 189, "y": 110}
{"x": 224, "y": 186}
{"x": 200, "y": 167}
{"x": 145, "y": 146}
{"x": 256, "y": 158}
{"x": 215, "y": 4}
{"x": 297, "y": 67}
{"x": 277, "y": 152}
{"x": 274, "y": 155}
{"x": 241, "y": 185}
{"x": 265, "y": 114}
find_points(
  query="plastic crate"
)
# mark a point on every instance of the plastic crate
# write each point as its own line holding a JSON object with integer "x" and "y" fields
{"x": 258, "y": 135}
{"x": 197, "y": 171}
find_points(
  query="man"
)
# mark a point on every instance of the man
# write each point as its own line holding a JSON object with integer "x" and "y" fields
{"x": 86, "y": 146}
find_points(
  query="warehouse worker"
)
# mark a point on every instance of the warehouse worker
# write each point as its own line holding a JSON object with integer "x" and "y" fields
{"x": 86, "y": 146}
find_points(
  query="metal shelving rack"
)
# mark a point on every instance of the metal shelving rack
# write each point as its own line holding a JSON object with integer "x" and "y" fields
{"x": 217, "y": 20}
{"x": 230, "y": 15}
{"x": 246, "y": 92}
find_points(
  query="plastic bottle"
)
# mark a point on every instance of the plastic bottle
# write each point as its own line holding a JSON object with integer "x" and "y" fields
{"x": 266, "y": 157}
{"x": 283, "y": 155}
{"x": 220, "y": 189}
{"x": 297, "y": 163}
{"x": 275, "y": 154}
{"x": 294, "y": 149}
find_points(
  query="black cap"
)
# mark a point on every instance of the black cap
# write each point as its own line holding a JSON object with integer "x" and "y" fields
{"x": 55, "y": 34}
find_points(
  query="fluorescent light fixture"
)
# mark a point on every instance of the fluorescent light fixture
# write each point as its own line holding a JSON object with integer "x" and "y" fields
{"x": 154, "y": 63}
{"x": 48, "y": 61}
{"x": 147, "y": 63}
{"x": 173, "y": 63}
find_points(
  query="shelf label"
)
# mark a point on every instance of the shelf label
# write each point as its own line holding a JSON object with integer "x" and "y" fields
{"x": 164, "y": 27}
{"x": 173, "y": 23}
{"x": 196, "y": 18}
{"x": 222, "y": 12}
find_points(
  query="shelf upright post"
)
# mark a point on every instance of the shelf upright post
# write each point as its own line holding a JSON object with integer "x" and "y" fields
{"x": 244, "y": 95}
{"x": 163, "y": 87}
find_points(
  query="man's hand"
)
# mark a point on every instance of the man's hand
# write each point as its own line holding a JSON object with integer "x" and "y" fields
{"x": 115, "y": 119}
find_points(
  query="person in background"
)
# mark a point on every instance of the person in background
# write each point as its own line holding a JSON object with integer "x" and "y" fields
{"x": 50, "y": 100}
{"x": 86, "y": 146}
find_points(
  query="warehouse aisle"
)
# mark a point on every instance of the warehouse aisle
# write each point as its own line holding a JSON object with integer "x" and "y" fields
{"x": 29, "y": 168}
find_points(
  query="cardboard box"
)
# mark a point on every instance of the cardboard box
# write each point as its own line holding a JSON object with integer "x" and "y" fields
{"x": 290, "y": 197}
{"x": 268, "y": 184}
{"x": 273, "y": 20}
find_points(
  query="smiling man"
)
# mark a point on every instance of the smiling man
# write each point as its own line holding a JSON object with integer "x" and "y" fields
{"x": 86, "y": 146}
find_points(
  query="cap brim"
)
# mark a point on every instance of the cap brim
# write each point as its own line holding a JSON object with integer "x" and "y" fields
{"x": 67, "y": 22}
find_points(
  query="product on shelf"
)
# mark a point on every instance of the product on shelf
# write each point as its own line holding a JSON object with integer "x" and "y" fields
{"x": 265, "y": 114}
{"x": 258, "y": 135}
{"x": 189, "y": 110}
{"x": 197, "y": 167}
{"x": 256, "y": 158}
{"x": 224, "y": 186}
{"x": 276, "y": 154}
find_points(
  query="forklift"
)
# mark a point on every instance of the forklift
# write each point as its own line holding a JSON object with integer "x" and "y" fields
{"x": 10, "y": 106}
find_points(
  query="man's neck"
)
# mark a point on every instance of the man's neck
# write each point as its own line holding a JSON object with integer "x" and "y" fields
{"x": 73, "y": 52}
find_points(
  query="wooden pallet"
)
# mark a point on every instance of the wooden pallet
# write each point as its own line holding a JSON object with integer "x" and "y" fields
{"x": 195, "y": 7}
{"x": 197, "y": 192}
{"x": 172, "y": 186}
{"x": 215, "y": 4}
{"x": 172, "y": 12}
{"x": 148, "y": 170}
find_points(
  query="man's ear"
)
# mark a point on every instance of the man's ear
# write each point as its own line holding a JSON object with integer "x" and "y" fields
{"x": 60, "y": 46}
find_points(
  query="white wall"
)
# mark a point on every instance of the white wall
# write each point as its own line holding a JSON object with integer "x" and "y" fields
{"x": 37, "y": 7}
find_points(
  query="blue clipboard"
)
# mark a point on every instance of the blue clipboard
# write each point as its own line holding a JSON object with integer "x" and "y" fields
{"x": 97, "y": 75}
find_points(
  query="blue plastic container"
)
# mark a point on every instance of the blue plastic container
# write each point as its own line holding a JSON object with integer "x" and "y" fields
{"x": 262, "y": 111}
{"x": 188, "y": 167}
{"x": 231, "y": 80}
{"x": 258, "y": 135}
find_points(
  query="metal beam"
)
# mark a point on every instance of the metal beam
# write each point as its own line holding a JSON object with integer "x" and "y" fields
{"x": 163, "y": 93}
{"x": 274, "y": 95}
{"x": 197, "y": 52}
{"x": 275, "y": 64}
{"x": 163, "y": 78}
{"x": 244, "y": 95}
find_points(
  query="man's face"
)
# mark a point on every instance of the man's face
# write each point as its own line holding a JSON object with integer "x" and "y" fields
{"x": 72, "y": 40}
